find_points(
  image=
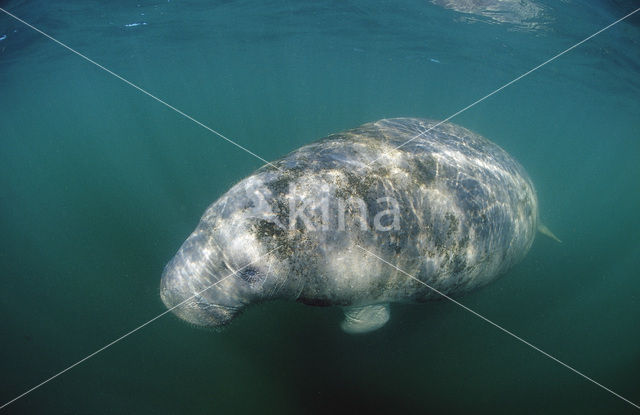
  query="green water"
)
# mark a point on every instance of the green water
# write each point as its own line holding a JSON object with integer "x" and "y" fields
{"x": 100, "y": 185}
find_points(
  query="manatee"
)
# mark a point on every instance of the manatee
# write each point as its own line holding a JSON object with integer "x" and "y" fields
{"x": 436, "y": 200}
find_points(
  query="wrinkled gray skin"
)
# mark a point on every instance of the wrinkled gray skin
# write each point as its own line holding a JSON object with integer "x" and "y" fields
{"x": 468, "y": 212}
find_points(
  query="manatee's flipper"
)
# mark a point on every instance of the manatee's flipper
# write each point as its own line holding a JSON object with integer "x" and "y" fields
{"x": 546, "y": 231}
{"x": 365, "y": 319}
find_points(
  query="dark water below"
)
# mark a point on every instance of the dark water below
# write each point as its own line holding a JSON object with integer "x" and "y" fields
{"x": 100, "y": 185}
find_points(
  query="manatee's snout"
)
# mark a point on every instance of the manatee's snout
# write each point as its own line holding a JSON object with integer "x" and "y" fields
{"x": 196, "y": 306}
{"x": 195, "y": 292}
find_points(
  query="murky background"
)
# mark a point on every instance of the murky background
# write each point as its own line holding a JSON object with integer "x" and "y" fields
{"x": 100, "y": 185}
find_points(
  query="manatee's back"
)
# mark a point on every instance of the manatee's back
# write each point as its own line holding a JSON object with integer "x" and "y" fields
{"x": 481, "y": 176}
{"x": 476, "y": 208}
{"x": 467, "y": 210}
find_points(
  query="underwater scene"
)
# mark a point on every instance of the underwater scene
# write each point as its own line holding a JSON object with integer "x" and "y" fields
{"x": 316, "y": 207}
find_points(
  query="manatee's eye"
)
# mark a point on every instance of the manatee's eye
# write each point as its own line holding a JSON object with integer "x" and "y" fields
{"x": 250, "y": 275}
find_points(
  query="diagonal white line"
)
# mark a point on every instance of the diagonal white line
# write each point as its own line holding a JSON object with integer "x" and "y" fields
{"x": 187, "y": 116}
{"x": 509, "y": 83}
{"x": 132, "y": 331}
{"x": 500, "y": 328}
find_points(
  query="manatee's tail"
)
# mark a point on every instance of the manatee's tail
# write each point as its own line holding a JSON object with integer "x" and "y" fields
{"x": 546, "y": 231}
